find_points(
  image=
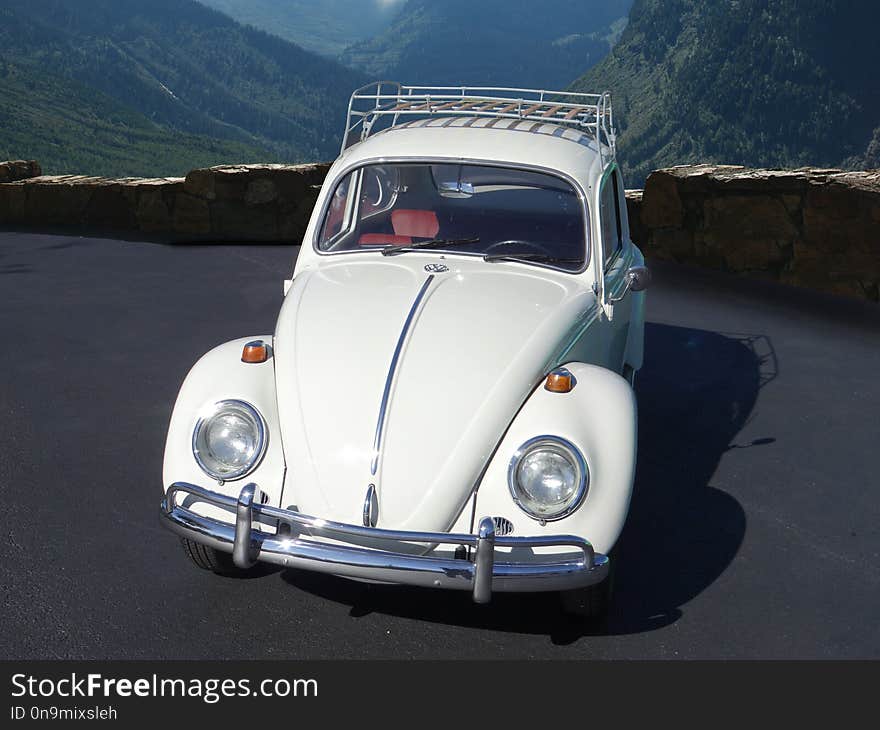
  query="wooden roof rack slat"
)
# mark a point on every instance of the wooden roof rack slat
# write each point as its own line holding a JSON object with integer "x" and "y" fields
{"x": 509, "y": 108}
{"x": 532, "y": 109}
{"x": 470, "y": 104}
{"x": 488, "y": 106}
{"x": 447, "y": 105}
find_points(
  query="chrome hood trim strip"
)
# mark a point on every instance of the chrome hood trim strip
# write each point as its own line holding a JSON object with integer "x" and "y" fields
{"x": 392, "y": 369}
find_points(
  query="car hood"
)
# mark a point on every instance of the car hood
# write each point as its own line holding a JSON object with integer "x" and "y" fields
{"x": 477, "y": 342}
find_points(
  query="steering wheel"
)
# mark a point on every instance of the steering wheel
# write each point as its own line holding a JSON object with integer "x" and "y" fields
{"x": 519, "y": 242}
{"x": 374, "y": 187}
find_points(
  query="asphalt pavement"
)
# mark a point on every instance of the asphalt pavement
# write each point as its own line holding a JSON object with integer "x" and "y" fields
{"x": 754, "y": 524}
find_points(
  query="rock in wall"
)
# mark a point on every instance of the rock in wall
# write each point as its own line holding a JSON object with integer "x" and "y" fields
{"x": 19, "y": 170}
{"x": 813, "y": 228}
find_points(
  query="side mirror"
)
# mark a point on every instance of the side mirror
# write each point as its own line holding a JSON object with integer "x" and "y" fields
{"x": 637, "y": 278}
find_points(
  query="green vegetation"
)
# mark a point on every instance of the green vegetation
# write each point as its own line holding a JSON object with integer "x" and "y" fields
{"x": 870, "y": 160}
{"x": 177, "y": 82}
{"x": 491, "y": 42}
{"x": 72, "y": 129}
{"x": 322, "y": 26}
{"x": 754, "y": 82}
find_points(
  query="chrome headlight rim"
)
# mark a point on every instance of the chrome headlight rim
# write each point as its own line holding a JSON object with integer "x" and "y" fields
{"x": 262, "y": 438}
{"x": 577, "y": 457}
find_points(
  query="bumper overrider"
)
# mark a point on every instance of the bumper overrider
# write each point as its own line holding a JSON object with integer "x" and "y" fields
{"x": 336, "y": 551}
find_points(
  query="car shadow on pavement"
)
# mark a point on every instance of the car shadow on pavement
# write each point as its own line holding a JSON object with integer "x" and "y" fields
{"x": 695, "y": 393}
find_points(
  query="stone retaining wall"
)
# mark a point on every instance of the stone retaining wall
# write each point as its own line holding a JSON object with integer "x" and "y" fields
{"x": 244, "y": 202}
{"x": 812, "y": 228}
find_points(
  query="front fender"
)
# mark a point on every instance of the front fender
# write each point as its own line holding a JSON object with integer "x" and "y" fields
{"x": 599, "y": 417}
{"x": 220, "y": 375}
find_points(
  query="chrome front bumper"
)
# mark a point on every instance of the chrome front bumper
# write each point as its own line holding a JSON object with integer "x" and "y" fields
{"x": 482, "y": 572}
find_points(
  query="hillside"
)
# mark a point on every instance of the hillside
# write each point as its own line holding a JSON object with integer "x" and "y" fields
{"x": 190, "y": 71}
{"x": 76, "y": 130}
{"x": 491, "y": 42}
{"x": 326, "y": 26}
{"x": 757, "y": 82}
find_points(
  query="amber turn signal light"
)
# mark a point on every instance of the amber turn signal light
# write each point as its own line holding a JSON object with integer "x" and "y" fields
{"x": 255, "y": 352}
{"x": 559, "y": 381}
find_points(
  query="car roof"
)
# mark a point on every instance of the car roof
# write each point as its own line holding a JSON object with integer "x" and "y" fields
{"x": 511, "y": 141}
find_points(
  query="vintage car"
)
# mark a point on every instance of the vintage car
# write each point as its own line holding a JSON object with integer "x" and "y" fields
{"x": 447, "y": 399}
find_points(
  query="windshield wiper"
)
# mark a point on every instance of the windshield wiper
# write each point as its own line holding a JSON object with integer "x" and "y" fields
{"x": 541, "y": 258}
{"x": 434, "y": 243}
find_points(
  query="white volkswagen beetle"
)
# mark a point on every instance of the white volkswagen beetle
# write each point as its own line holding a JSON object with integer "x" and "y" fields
{"x": 447, "y": 398}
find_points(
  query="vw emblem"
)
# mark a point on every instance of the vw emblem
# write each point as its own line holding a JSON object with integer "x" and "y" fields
{"x": 436, "y": 268}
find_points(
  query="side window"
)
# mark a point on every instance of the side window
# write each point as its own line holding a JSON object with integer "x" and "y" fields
{"x": 336, "y": 211}
{"x": 612, "y": 232}
{"x": 361, "y": 194}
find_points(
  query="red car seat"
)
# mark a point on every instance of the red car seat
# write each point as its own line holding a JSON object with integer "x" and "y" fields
{"x": 415, "y": 223}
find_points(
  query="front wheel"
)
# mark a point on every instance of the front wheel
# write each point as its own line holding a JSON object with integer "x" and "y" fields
{"x": 591, "y": 603}
{"x": 219, "y": 562}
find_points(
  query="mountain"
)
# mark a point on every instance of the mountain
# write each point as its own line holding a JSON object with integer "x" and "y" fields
{"x": 754, "y": 82}
{"x": 73, "y": 129}
{"x": 191, "y": 72}
{"x": 491, "y": 42}
{"x": 322, "y": 26}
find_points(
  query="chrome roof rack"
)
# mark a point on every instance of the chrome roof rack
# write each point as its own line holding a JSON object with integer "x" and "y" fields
{"x": 387, "y": 104}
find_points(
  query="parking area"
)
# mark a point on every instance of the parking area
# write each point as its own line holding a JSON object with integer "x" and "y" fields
{"x": 754, "y": 525}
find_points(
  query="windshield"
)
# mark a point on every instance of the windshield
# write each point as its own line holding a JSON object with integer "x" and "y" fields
{"x": 495, "y": 212}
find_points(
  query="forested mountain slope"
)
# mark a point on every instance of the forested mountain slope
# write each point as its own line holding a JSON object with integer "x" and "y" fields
{"x": 189, "y": 70}
{"x": 755, "y": 82}
{"x": 491, "y": 42}
{"x": 74, "y": 129}
{"x": 323, "y": 26}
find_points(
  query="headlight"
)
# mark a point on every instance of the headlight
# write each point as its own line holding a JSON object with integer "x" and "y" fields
{"x": 229, "y": 440}
{"x": 548, "y": 478}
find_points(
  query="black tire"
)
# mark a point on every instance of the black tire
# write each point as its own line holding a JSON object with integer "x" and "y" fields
{"x": 208, "y": 558}
{"x": 592, "y": 603}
